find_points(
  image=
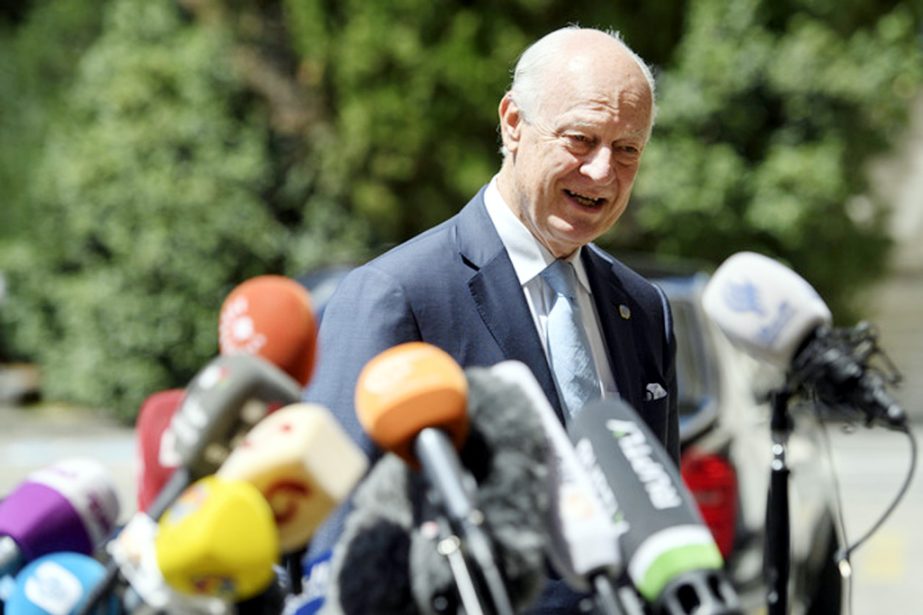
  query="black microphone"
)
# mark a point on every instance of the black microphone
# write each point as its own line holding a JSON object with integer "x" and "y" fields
{"x": 222, "y": 403}
{"x": 671, "y": 557}
{"x": 775, "y": 315}
{"x": 392, "y": 557}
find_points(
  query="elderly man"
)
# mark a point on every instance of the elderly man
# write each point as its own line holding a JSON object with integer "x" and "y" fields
{"x": 480, "y": 285}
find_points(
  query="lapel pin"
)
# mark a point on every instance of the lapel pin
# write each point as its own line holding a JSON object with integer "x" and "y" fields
{"x": 624, "y": 311}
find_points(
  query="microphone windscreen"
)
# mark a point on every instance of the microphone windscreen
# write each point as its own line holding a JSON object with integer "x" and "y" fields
{"x": 271, "y": 316}
{"x": 387, "y": 550}
{"x": 583, "y": 538}
{"x": 303, "y": 463}
{"x": 507, "y": 453}
{"x": 58, "y": 583}
{"x": 406, "y": 389}
{"x": 369, "y": 568}
{"x": 156, "y": 445}
{"x": 71, "y": 505}
{"x": 763, "y": 306}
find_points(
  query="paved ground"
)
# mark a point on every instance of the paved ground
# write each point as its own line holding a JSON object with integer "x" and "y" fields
{"x": 871, "y": 464}
{"x": 32, "y": 438}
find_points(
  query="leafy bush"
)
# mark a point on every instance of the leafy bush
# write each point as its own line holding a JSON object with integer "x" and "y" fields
{"x": 148, "y": 210}
{"x": 157, "y": 153}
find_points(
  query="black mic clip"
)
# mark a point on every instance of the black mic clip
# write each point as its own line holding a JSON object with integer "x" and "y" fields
{"x": 835, "y": 364}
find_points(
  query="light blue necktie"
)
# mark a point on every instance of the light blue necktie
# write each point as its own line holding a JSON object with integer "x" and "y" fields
{"x": 568, "y": 347}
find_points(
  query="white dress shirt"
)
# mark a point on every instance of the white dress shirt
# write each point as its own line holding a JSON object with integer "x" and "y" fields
{"x": 529, "y": 259}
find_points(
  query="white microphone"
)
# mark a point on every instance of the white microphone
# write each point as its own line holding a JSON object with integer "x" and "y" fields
{"x": 775, "y": 315}
{"x": 764, "y": 307}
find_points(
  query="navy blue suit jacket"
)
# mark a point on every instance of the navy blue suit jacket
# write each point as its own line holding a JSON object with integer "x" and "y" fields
{"x": 454, "y": 287}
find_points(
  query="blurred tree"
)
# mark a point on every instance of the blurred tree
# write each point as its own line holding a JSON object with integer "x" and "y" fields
{"x": 769, "y": 114}
{"x": 148, "y": 209}
{"x": 199, "y": 142}
{"x": 40, "y": 48}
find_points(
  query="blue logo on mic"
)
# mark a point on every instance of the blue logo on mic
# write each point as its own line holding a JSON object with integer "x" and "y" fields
{"x": 743, "y": 297}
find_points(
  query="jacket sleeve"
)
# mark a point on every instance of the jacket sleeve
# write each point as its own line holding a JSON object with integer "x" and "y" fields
{"x": 367, "y": 314}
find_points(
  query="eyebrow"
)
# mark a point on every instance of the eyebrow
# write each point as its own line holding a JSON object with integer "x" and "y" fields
{"x": 571, "y": 125}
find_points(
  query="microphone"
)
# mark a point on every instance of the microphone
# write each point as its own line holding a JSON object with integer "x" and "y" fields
{"x": 57, "y": 583}
{"x": 218, "y": 539}
{"x": 69, "y": 506}
{"x": 266, "y": 316}
{"x": 391, "y": 556}
{"x": 135, "y": 560}
{"x": 271, "y": 316}
{"x": 156, "y": 444}
{"x": 410, "y": 400}
{"x": 583, "y": 536}
{"x": 672, "y": 559}
{"x": 775, "y": 315}
{"x": 303, "y": 463}
{"x": 223, "y": 401}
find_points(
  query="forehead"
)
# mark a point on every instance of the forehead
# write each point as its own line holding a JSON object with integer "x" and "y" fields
{"x": 584, "y": 91}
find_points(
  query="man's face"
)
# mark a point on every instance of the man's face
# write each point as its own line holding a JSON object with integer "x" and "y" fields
{"x": 575, "y": 157}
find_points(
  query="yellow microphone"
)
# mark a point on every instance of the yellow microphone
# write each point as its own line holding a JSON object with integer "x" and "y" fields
{"x": 218, "y": 539}
{"x": 303, "y": 463}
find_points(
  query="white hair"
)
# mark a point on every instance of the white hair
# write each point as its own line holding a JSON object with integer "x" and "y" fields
{"x": 530, "y": 75}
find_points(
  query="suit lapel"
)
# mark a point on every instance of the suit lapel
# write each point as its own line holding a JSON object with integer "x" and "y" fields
{"x": 618, "y": 332}
{"x": 498, "y": 296}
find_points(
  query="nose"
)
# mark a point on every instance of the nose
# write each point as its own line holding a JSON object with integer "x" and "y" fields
{"x": 598, "y": 165}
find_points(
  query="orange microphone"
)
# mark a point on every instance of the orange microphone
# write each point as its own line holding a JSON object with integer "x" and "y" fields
{"x": 409, "y": 388}
{"x": 271, "y": 316}
{"x": 412, "y": 400}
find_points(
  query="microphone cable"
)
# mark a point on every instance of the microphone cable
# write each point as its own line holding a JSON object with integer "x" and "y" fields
{"x": 844, "y": 553}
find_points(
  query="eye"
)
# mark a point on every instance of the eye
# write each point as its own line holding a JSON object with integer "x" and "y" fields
{"x": 627, "y": 152}
{"x": 579, "y": 142}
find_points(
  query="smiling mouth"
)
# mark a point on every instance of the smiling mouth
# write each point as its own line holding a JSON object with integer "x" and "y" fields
{"x": 586, "y": 201}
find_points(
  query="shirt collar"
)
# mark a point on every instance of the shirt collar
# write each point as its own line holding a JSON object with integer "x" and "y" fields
{"x": 528, "y": 256}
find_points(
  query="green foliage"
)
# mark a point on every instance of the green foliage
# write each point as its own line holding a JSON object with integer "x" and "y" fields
{"x": 148, "y": 211}
{"x": 39, "y": 59}
{"x": 154, "y": 154}
{"x": 766, "y": 123}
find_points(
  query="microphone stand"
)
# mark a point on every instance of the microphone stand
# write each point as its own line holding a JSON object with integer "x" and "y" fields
{"x": 777, "y": 554}
{"x": 444, "y": 473}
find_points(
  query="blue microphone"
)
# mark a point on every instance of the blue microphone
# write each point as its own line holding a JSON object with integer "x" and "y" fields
{"x": 58, "y": 584}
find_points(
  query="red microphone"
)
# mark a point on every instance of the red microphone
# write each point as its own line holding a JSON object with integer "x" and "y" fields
{"x": 157, "y": 456}
{"x": 271, "y": 316}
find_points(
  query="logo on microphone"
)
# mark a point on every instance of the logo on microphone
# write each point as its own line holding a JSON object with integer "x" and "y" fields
{"x": 587, "y": 457}
{"x": 743, "y": 297}
{"x": 237, "y": 330}
{"x": 284, "y": 497}
{"x": 54, "y": 588}
{"x": 638, "y": 452}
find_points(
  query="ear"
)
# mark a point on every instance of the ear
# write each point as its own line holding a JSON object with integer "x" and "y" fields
{"x": 510, "y": 123}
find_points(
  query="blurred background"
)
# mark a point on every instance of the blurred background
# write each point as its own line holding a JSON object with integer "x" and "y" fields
{"x": 156, "y": 153}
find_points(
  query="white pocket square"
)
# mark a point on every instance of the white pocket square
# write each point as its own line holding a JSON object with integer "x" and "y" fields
{"x": 654, "y": 391}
